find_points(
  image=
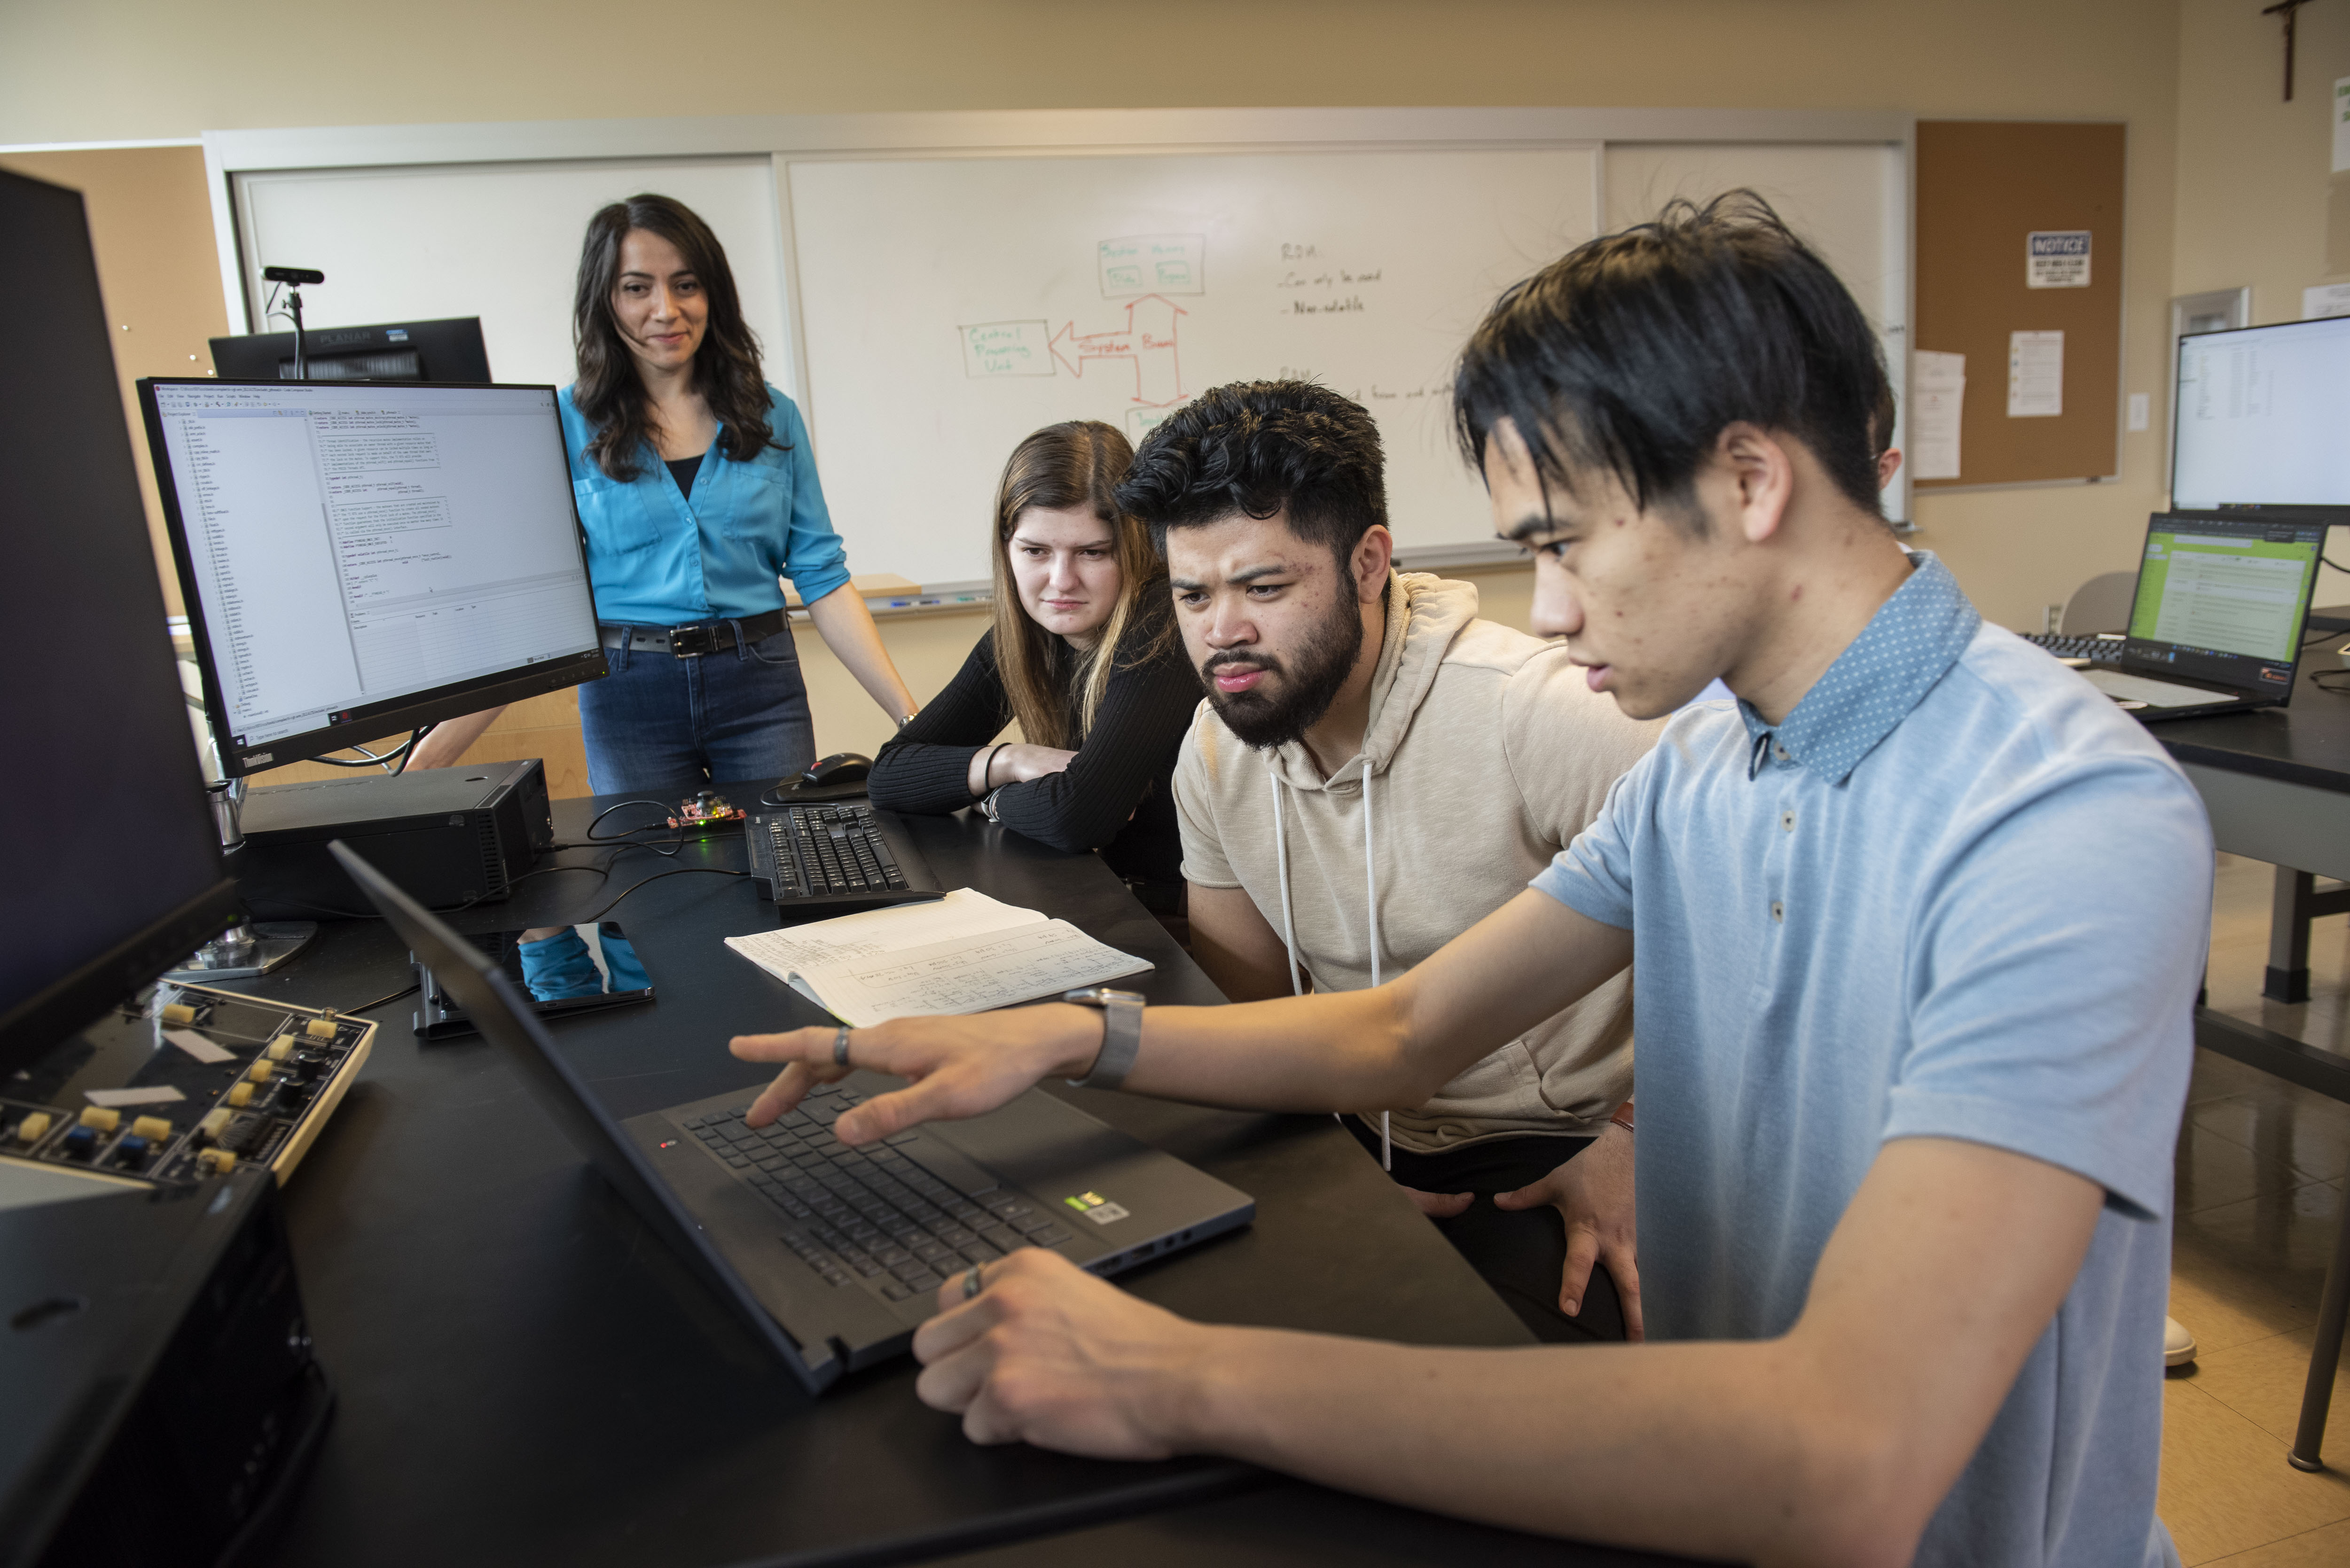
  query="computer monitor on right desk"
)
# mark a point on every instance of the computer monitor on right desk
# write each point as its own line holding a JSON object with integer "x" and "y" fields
{"x": 2261, "y": 418}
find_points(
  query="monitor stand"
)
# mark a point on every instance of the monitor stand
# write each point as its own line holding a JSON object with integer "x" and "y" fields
{"x": 248, "y": 948}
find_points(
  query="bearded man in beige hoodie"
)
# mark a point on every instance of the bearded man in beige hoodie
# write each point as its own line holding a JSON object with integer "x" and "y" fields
{"x": 1376, "y": 770}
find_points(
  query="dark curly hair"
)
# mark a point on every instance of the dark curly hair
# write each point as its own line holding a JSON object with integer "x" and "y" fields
{"x": 1630, "y": 354}
{"x": 610, "y": 394}
{"x": 1259, "y": 447}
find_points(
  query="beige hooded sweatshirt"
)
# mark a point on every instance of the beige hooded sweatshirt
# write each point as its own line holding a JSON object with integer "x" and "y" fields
{"x": 1485, "y": 753}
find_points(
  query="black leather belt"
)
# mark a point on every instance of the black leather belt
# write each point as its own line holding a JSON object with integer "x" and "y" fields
{"x": 693, "y": 640}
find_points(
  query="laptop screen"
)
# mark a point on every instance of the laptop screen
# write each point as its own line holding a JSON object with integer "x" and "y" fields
{"x": 2223, "y": 598}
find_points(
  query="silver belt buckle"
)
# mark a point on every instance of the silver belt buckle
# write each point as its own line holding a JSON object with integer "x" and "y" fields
{"x": 692, "y": 641}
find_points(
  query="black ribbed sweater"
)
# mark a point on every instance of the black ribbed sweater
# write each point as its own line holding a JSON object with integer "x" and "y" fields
{"x": 1116, "y": 794}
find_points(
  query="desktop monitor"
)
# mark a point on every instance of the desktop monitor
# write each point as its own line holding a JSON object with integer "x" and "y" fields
{"x": 444, "y": 350}
{"x": 360, "y": 558}
{"x": 2263, "y": 417}
{"x": 109, "y": 863}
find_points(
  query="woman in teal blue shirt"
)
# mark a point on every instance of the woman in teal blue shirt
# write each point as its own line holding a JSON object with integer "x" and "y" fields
{"x": 699, "y": 493}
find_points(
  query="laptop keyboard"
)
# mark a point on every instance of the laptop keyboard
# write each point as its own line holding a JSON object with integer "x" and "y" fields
{"x": 2104, "y": 649}
{"x": 809, "y": 851}
{"x": 873, "y": 1214}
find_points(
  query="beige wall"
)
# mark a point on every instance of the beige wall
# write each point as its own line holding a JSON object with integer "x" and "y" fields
{"x": 2225, "y": 184}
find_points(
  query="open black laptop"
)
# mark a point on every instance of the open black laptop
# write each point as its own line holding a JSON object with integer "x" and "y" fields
{"x": 835, "y": 1255}
{"x": 2216, "y": 624}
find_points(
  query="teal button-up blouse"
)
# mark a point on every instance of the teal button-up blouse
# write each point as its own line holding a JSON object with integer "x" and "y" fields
{"x": 662, "y": 557}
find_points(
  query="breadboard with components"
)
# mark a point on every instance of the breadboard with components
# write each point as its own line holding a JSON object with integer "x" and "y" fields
{"x": 183, "y": 1084}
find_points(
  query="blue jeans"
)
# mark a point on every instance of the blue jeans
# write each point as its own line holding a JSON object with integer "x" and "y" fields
{"x": 663, "y": 726}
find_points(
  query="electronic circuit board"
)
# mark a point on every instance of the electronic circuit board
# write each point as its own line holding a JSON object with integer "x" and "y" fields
{"x": 184, "y": 1083}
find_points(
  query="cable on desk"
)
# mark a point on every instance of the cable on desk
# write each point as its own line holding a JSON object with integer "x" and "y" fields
{"x": 411, "y": 990}
{"x": 662, "y": 806}
{"x": 618, "y": 842}
{"x": 680, "y": 871}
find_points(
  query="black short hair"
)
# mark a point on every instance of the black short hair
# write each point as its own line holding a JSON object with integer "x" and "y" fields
{"x": 1258, "y": 447}
{"x": 1632, "y": 353}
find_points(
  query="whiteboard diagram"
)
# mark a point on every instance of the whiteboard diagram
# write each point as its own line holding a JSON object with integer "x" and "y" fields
{"x": 1144, "y": 338}
{"x": 953, "y": 306}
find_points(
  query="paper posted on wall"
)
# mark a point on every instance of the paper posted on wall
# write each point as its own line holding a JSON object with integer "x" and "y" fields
{"x": 964, "y": 953}
{"x": 2035, "y": 375}
{"x": 1938, "y": 395}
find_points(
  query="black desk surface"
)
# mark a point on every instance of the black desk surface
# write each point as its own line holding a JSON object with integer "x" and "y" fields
{"x": 527, "y": 1374}
{"x": 2307, "y": 742}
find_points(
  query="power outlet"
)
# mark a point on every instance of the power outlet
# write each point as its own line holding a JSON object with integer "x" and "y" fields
{"x": 2051, "y": 618}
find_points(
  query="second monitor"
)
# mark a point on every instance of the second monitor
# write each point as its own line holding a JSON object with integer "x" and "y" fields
{"x": 449, "y": 349}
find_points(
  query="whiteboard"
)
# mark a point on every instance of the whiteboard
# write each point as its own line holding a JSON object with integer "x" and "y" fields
{"x": 1848, "y": 202}
{"x": 500, "y": 241}
{"x": 950, "y": 305}
{"x": 897, "y": 266}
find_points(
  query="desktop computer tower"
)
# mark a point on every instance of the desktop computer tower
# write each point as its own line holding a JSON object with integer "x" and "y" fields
{"x": 447, "y": 835}
{"x": 163, "y": 1403}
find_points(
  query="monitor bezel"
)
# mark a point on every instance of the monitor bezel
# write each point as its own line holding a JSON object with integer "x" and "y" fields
{"x": 410, "y": 713}
{"x": 2338, "y": 512}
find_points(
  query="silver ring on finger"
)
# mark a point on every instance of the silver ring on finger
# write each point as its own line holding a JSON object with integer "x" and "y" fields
{"x": 840, "y": 1047}
{"x": 971, "y": 1282}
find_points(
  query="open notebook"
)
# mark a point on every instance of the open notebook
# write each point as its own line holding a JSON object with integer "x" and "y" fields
{"x": 964, "y": 953}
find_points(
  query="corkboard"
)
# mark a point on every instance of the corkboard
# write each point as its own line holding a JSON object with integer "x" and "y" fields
{"x": 1983, "y": 187}
{"x": 151, "y": 222}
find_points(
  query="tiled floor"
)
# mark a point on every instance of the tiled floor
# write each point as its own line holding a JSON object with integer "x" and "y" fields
{"x": 2261, "y": 1167}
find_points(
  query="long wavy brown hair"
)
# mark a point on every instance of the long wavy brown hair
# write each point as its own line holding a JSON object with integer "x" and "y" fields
{"x": 1077, "y": 463}
{"x": 611, "y": 394}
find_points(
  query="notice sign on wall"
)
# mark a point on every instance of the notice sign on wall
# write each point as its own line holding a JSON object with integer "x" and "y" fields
{"x": 2057, "y": 258}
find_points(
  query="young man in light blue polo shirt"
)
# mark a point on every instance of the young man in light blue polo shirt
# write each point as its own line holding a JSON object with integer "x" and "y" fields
{"x": 1919, "y": 922}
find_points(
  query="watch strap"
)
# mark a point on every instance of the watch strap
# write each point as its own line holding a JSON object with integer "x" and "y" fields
{"x": 1121, "y": 1013}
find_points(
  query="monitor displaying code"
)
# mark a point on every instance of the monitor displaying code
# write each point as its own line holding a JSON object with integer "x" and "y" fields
{"x": 355, "y": 545}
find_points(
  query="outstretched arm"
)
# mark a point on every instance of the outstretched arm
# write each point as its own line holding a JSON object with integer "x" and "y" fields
{"x": 847, "y": 626}
{"x": 1831, "y": 1445}
{"x": 1394, "y": 1045}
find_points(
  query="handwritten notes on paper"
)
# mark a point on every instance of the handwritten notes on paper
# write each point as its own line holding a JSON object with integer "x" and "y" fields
{"x": 964, "y": 953}
{"x": 2035, "y": 375}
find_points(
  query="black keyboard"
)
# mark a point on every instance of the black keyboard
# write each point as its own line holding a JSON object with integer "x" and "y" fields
{"x": 874, "y": 1214}
{"x": 818, "y": 851}
{"x": 2104, "y": 649}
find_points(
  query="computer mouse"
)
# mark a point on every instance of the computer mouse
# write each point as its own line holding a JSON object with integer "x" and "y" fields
{"x": 838, "y": 775}
{"x": 840, "y": 768}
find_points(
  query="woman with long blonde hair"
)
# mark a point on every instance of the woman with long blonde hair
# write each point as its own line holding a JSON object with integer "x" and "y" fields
{"x": 1083, "y": 655}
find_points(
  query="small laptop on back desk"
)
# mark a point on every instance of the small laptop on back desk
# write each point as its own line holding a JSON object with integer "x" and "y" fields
{"x": 2217, "y": 620}
{"x": 835, "y": 1255}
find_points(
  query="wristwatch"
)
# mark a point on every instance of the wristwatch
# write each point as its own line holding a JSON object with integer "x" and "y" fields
{"x": 1122, "y": 1035}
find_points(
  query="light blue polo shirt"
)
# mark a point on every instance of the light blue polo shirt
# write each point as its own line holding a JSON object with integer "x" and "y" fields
{"x": 1956, "y": 894}
{"x": 660, "y": 556}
